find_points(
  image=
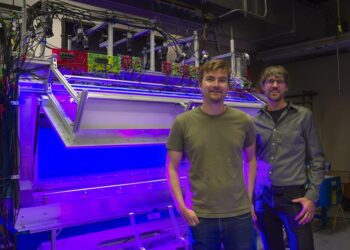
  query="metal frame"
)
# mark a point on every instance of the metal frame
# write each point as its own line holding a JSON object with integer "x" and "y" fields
{"x": 105, "y": 112}
{"x": 83, "y": 130}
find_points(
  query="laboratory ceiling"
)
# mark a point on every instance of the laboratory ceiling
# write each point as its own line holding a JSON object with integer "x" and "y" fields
{"x": 271, "y": 30}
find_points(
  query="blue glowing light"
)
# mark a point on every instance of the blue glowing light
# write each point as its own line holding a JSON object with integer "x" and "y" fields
{"x": 57, "y": 161}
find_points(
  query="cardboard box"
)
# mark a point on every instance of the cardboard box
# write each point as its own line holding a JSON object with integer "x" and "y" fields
{"x": 346, "y": 193}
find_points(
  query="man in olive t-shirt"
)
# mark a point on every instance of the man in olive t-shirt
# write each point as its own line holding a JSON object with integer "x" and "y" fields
{"x": 217, "y": 204}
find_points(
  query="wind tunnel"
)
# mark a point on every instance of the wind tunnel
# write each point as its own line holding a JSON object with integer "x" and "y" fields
{"x": 93, "y": 149}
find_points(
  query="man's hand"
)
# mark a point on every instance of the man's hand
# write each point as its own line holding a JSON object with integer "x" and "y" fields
{"x": 190, "y": 216}
{"x": 252, "y": 211}
{"x": 307, "y": 212}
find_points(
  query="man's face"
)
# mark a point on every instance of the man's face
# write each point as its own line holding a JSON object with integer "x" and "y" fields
{"x": 215, "y": 85}
{"x": 275, "y": 88}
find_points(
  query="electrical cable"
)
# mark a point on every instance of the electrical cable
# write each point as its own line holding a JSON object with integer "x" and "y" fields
{"x": 338, "y": 37}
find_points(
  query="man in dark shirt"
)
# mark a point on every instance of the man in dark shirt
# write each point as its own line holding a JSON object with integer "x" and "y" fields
{"x": 290, "y": 167}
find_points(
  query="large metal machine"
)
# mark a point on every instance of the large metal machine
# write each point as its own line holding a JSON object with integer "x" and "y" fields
{"x": 93, "y": 149}
{"x": 92, "y": 154}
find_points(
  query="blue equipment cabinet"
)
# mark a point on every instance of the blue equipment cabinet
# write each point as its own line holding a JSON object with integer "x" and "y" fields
{"x": 330, "y": 195}
{"x": 330, "y": 192}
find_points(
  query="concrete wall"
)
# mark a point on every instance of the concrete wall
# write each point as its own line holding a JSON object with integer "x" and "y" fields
{"x": 331, "y": 110}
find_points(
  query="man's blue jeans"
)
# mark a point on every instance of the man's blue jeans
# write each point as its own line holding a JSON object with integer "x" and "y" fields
{"x": 233, "y": 233}
{"x": 274, "y": 209}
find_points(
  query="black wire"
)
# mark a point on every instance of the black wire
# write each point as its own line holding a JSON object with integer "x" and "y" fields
{"x": 9, "y": 188}
{"x": 54, "y": 8}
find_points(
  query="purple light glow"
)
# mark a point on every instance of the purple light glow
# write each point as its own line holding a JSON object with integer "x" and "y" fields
{"x": 70, "y": 108}
{"x": 123, "y": 185}
{"x": 132, "y": 133}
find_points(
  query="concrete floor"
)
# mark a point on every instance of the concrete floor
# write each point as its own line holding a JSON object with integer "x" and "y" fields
{"x": 329, "y": 239}
{"x": 338, "y": 239}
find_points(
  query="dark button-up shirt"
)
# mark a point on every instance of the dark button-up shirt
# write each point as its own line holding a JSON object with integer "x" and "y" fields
{"x": 289, "y": 151}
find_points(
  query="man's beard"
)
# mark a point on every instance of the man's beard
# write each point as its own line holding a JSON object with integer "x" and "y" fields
{"x": 216, "y": 97}
{"x": 275, "y": 98}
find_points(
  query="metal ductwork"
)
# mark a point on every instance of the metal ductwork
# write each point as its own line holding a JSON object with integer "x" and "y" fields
{"x": 306, "y": 49}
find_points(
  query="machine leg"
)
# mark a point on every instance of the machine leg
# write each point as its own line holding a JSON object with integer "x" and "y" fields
{"x": 136, "y": 232}
{"x": 53, "y": 239}
{"x": 176, "y": 226}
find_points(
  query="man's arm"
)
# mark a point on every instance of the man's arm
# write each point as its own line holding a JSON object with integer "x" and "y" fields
{"x": 172, "y": 165}
{"x": 250, "y": 169}
{"x": 315, "y": 158}
{"x": 249, "y": 165}
{"x": 316, "y": 171}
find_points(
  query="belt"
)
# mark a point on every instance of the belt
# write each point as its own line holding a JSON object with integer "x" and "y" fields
{"x": 283, "y": 189}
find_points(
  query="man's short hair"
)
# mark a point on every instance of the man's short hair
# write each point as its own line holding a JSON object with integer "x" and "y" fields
{"x": 276, "y": 71}
{"x": 211, "y": 66}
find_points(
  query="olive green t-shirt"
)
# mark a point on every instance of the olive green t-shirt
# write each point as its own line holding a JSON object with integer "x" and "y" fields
{"x": 213, "y": 146}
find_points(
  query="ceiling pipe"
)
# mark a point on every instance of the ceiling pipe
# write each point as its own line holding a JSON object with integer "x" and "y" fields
{"x": 246, "y": 12}
{"x": 292, "y": 30}
{"x": 313, "y": 47}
